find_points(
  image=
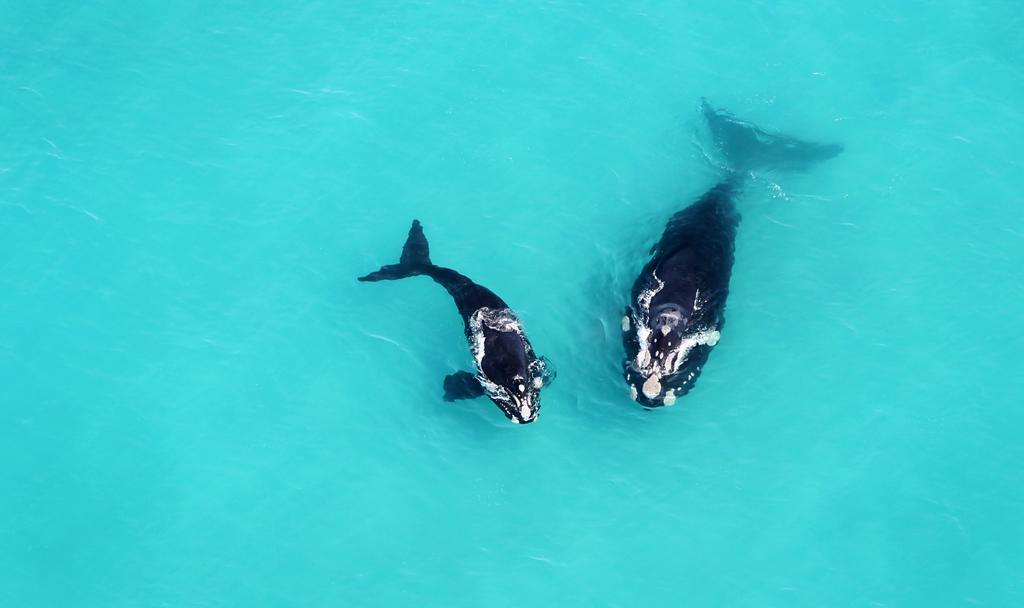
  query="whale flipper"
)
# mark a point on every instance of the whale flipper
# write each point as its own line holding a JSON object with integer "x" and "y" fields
{"x": 748, "y": 147}
{"x": 415, "y": 258}
{"x": 462, "y": 385}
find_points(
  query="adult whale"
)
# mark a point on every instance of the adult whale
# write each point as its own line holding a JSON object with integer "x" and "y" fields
{"x": 507, "y": 370}
{"x": 677, "y": 303}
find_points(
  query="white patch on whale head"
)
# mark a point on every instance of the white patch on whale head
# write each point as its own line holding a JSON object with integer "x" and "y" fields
{"x": 625, "y": 323}
{"x": 652, "y": 388}
{"x": 665, "y": 330}
{"x": 521, "y": 388}
{"x": 643, "y": 358}
{"x": 713, "y": 337}
{"x": 645, "y": 297}
{"x": 538, "y": 382}
{"x": 526, "y": 413}
{"x": 632, "y": 392}
{"x": 670, "y": 396}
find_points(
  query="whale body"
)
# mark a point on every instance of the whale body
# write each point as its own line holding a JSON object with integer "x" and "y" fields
{"x": 677, "y": 304}
{"x": 507, "y": 369}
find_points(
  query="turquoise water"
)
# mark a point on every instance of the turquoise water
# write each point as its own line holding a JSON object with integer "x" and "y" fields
{"x": 202, "y": 407}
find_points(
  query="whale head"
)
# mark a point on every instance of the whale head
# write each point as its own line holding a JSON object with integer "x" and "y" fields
{"x": 511, "y": 375}
{"x": 665, "y": 355}
{"x": 516, "y": 388}
{"x": 520, "y": 402}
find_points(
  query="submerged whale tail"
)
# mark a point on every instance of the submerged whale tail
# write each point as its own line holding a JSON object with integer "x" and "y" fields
{"x": 415, "y": 258}
{"x": 747, "y": 147}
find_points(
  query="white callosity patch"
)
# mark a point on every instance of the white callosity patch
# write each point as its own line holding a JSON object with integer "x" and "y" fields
{"x": 643, "y": 358}
{"x": 538, "y": 382}
{"x": 625, "y": 323}
{"x": 632, "y": 392}
{"x": 670, "y": 396}
{"x": 647, "y": 295}
{"x": 652, "y": 387}
{"x": 708, "y": 337}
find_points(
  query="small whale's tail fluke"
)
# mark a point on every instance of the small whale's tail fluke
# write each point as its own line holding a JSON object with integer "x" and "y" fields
{"x": 415, "y": 258}
{"x": 747, "y": 147}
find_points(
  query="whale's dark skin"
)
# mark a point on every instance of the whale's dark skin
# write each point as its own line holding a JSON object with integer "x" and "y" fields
{"x": 677, "y": 304}
{"x": 678, "y": 301}
{"x": 508, "y": 370}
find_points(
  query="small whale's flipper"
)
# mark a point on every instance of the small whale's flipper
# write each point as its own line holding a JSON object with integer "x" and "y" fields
{"x": 462, "y": 385}
{"x": 415, "y": 258}
{"x": 747, "y": 147}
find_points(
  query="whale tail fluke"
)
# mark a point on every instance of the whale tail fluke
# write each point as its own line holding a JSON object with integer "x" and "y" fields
{"x": 415, "y": 258}
{"x": 747, "y": 147}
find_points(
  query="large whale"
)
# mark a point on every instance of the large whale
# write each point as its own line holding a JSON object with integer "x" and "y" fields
{"x": 507, "y": 370}
{"x": 677, "y": 303}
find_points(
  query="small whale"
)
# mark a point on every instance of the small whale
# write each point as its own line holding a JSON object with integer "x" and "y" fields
{"x": 507, "y": 370}
{"x": 677, "y": 305}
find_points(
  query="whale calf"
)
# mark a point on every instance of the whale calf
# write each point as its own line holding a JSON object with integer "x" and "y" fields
{"x": 507, "y": 369}
{"x": 677, "y": 304}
